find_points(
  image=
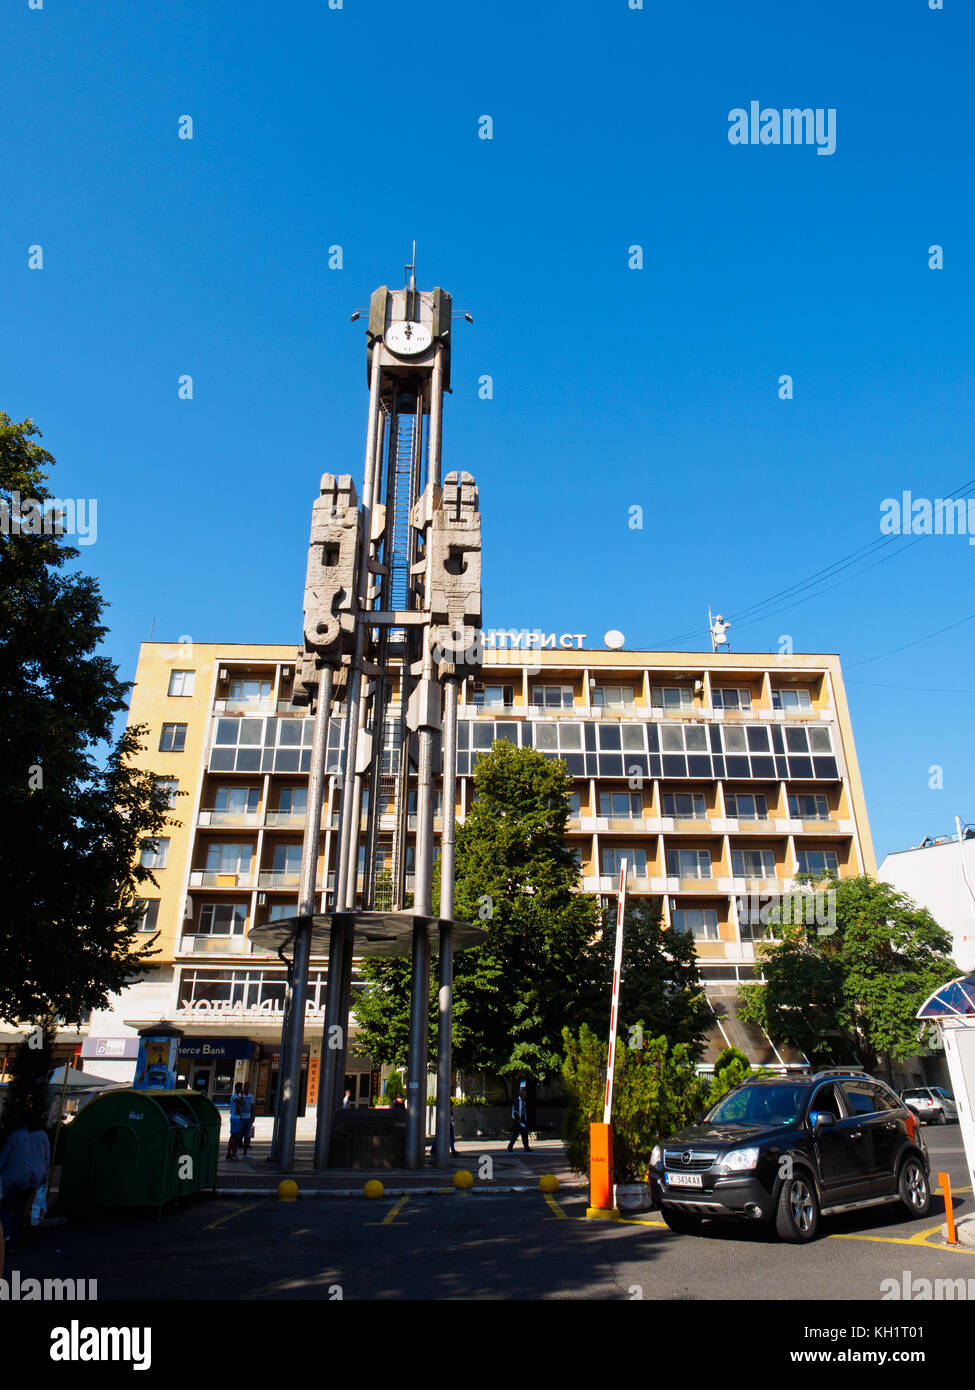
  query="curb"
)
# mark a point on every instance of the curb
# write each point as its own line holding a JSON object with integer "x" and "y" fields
{"x": 357, "y": 1191}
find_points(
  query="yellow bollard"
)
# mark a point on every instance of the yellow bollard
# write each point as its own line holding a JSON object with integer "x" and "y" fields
{"x": 287, "y": 1190}
{"x": 548, "y": 1182}
{"x": 463, "y": 1180}
{"x": 373, "y": 1189}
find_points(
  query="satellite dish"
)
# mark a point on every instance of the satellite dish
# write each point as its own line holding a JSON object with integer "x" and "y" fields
{"x": 614, "y": 639}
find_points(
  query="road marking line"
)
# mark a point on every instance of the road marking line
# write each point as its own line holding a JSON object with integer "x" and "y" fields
{"x": 391, "y": 1215}
{"x": 559, "y": 1213}
{"x": 230, "y": 1216}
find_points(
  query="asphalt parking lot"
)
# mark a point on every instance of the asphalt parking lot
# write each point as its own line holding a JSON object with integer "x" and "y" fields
{"x": 484, "y": 1246}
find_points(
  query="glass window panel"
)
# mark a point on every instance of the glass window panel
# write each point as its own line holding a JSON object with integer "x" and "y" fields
{"x": 819, "y": 740}
{"x": 671, "y": 739}
{"x": 570, "y": 735}
{"x": 483, "y": 735}
{"x": 758, "y": 740}
{"x": 609, "y": 736}
{"x": 289, "y": 733}
{"x": 633, "y": 739}
{"x": 695, "y": 738}
{"x": 796, "y": 741}
{"x": 734, "y": 740}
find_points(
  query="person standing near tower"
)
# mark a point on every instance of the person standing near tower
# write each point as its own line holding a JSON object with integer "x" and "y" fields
{"x": 519, "y": 1118}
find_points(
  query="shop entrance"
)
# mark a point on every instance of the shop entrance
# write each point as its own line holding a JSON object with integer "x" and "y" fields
{"x": 215, "y": 1080}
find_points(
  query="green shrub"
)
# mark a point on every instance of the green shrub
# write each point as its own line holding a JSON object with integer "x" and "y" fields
{"x": 656, "y": 1091}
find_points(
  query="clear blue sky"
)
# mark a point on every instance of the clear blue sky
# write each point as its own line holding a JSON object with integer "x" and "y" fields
{"x": 612, "y": 387}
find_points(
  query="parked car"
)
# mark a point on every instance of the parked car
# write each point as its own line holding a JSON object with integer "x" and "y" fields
{"x": 790, "y": 1149}
{"x": 931, "y": 1104}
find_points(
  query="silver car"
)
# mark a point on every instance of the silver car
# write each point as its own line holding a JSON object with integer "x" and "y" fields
{"x": 932, "y": 1104}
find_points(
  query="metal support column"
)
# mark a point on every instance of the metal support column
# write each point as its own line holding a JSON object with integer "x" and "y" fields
{"x": 291, "y": 1052}
{"x": 446, "y": 992}
{"x": 416, "y": 1074}
{"x": 330, "y": 1050}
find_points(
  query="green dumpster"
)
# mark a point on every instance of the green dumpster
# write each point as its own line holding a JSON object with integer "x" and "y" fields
{"x": 140, "y": 1149}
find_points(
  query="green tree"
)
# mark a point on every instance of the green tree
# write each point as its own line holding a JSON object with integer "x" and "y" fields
{"x": 70, "y": 829}
{"x": 28, "y": 1093}
{"x": 731, "y": 1068}
{"x": 853, "y": 987}
{"x": 656, "y": 1092}
{"x": 513, "y": 993}
{"x": 660, "y": 983}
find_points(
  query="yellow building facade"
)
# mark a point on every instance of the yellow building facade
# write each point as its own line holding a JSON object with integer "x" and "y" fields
{"x": 720, "y": 778}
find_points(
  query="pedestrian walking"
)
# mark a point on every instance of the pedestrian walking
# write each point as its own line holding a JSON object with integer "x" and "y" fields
{"x": 519, "y": 1118}
{"x": 245, "y": 1106}
{"x": 23, "y": 1168}
{"x": 235, "y": 1122}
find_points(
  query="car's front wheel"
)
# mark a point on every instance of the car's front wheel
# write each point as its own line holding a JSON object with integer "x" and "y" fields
{"x": 680, "y": 1222}
{"x": 797, "y": 1214}
{"x": 941, "y": 1118}
{"x": 913, "y": 1189}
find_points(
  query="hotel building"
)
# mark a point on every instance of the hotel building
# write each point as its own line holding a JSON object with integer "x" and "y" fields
{"x": 719, "y": 777}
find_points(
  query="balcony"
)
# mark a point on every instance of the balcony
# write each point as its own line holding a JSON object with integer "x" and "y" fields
{"x": 275, "y": 878}
{"x": 244, "y": 706}
{"x": 634, "y": 824}
{"x": 249, "y": 820}
{"x": 285, "y": 820}
{"x": 214, "y": 945}
{"x": 692, "y": 824}
{"x": 210, "y": 878}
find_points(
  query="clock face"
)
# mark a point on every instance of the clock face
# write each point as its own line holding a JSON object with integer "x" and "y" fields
{"x": 407, "y": 339}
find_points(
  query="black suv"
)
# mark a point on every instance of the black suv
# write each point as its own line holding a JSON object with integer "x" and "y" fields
{"x": 792, "y": 1149}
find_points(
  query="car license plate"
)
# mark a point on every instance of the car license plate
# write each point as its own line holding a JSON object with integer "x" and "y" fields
{"x": 684, "y": 1180}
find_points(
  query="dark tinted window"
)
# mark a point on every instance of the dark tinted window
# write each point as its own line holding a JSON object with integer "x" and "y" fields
{"x": 827, "y": 1098}
{"x": 884, "y": 1099}
{"x": 861, "y": 1097}
{"x": 764, "y": 1105}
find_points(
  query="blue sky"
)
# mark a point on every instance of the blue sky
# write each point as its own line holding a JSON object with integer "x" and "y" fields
{"x": 612, "y": 387}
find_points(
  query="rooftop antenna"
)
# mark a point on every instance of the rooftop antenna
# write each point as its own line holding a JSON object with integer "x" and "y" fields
{"x": 410, "y": 270}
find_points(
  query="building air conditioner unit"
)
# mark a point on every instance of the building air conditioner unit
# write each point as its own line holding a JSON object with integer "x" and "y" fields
{"x": 262, "y": 899}
{"x": 224, "y": 674}
{"x": 285, "y": 672}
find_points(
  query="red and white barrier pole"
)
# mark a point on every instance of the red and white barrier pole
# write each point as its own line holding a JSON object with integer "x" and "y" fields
{"x": 601, "y": 1135}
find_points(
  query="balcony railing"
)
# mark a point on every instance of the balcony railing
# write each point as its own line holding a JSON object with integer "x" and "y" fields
{"x": 265, "y": 706}
{"x": 239, "y": 819}
{"x": 212, "y": 878}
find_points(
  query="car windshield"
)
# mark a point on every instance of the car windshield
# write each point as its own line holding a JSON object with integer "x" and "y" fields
{"x": 918, "y": 1093}
{"x": 760, "y": 1105}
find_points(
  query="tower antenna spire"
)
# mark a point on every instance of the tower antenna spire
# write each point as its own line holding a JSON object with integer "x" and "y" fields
{"x": 411, "y": 282}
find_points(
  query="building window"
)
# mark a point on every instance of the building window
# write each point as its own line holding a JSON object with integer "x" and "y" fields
{"x": 818, "y": 862}
{"x": 222, "y": 919}
{"x": 229, "y": 857}
{"x": 672, "y": 697}
{"x": 612, "y": 696}
{"x": 287, "y": 859}
{"x": 237, "y": 799}
{"x": 250, "y": 692}
{"x": 172, "y": 738}
{"x": 791, "y": 699}
{"x": 268, "y": 745}
{"x": 812, "y": 739}
{"x": 181, "y": 682}
{"x": 279, "y": 909}
{"x": 575, "y": 810}
{"x": 621, "y": 805}
{"x": 700, "y": 922}
{"x": 686, "y": 805}
{"x": 753, "y": 863}
{"x": 493, "y": 696}
{"x": 169, "y": 786}
{"x": 676, "y": 738}
{"x": 563, "y": 737}
{"x": 812, "y": 806}
{"x": 154, "y": 854}
{"x": 742, "y": 806}
{"x": 150, "y": 914}
{"x": 731, "y": 699}
{"x": 294, "y": 799}
{"x": 689, "y": 863}
{"x": 636, "y": 861}
{"x": 552, "y": 696}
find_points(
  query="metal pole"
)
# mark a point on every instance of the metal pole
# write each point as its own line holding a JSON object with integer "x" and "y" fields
{"x": 416, "y": 1082}
{"x": 436, "y": 418}
{"x": 333, "y": 1001}
{"x": 291, "y": 1054}
{"x": 447, "y": 848}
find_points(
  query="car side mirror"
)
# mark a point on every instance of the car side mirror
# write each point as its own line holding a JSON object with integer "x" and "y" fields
{"x": 822, "y": 1118}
